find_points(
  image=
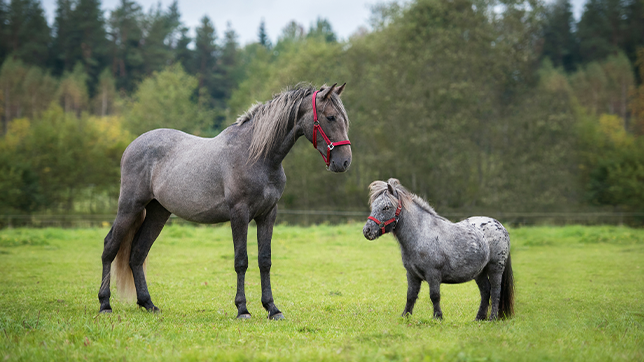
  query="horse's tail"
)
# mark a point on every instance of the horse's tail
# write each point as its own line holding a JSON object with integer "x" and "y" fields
{"x": 506, "y": 304}
{"x": 121, "y": 271}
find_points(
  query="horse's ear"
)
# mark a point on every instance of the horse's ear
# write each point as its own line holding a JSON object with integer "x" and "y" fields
{"x": 339, "y": 90}
{"x": 326, "y": 92}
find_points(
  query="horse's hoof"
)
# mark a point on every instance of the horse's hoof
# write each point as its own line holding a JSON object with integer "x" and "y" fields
{"x": 243, "y": 316}
{"x": 277, "y": 317}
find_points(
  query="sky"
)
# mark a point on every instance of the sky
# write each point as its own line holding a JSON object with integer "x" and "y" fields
{"x": 345, "y": 16}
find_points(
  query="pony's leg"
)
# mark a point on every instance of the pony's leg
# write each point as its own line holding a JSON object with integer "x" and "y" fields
{"x": 264, "y": 236}
{"x": 484, "y": 287}
{"x": 435, "y": 296}
{"x": 122, "y": 224}
{"x": 155, "y": 218}
{"x": 239, "y": 224}
{"x": 495, "y": 292}
{"x": 413, "y": 288}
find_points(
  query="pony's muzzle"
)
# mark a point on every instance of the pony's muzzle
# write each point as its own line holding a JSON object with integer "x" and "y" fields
{"x": 369, "y": 232}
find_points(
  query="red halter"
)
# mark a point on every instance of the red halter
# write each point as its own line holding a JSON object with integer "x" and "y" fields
{"x": 384, "y": 224}
{"x": 330, "y": 145}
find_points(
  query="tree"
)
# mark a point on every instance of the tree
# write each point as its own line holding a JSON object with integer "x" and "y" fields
{"x": 601, "y": 29}
{"x": 183, "y": 54}
{"x": 165, "y": 100}
{"x": 62, "y": 48}
{"x": 104, "y": 101}
{"x": 206, "y": 59}
{"x": 559, "y": 40}
{"x": 263, "y": 35}
{"x": 90, "y": 45}
{"x": 28, "y": 34}
{"x": 229, "y": 62}
{"x": 72, "y": 91}
{"x": 160, "y": 30}
{"x": 322, "y": 29}
{"x": 125, "y": 35}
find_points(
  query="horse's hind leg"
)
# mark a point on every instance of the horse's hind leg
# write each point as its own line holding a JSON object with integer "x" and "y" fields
{"x": 123, "y": 224}
{"x": 155, "y": 218}
{"x": 484, "y": 287}
{"x": 264, "y": 236}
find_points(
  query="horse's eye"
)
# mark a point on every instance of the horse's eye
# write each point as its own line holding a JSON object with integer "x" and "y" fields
{"x": 330, "y": 118}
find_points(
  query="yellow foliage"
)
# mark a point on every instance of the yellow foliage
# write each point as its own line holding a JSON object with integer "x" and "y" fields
{"x": 111, "y": 129}
{"x": 613, "y": 127}
{"x": 17, "y": 130}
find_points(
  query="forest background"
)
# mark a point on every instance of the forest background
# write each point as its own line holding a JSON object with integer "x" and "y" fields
{"x": 478, "y": 106}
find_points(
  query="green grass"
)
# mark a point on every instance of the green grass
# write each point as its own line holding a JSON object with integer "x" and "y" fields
{"x": 579, "y": 297}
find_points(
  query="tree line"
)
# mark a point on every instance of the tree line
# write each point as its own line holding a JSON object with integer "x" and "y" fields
{"x": 475, "y": 105}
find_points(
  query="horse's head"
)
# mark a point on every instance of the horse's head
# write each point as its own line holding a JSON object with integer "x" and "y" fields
{"x": 325, "y": 123}
{"x": 386, "y": 205}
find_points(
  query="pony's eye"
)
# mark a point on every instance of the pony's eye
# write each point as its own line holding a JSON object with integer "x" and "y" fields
{"x": 330, "y": 118}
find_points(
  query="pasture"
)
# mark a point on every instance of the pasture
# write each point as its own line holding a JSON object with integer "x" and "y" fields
{"x": 579, "y": 297}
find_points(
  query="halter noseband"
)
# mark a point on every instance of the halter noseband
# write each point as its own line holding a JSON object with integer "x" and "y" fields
{"x": 316, "y": 128}
{"x": 393, "y": 220}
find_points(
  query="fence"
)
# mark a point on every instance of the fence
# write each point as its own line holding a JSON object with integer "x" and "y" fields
{"x": 309, "y": 217}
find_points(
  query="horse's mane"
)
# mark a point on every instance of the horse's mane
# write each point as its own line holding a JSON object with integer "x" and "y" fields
{"x": 377, "y": 188}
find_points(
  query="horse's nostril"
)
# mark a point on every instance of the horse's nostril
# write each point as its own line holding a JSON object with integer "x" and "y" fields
{"x": 346, "y": 163}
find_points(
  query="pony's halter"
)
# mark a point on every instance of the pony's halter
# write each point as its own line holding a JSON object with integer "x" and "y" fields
{"x": 393, "y": 220}
{"x": 330, "y": 145}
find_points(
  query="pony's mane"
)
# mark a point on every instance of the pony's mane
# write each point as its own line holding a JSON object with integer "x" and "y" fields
{"x": 378, "y": 188}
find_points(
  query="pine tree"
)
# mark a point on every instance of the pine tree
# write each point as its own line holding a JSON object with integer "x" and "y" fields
{"x": 28, "y": 34}
{"x": 4, "y": 44}
{"x": 559, "y": 41}
{"x": 62, "y": 57}
{"x": 206, "y": 56}
{"x": 322, "y": 30}
{"x": 125, "y": 34}
{"x": 160, "y": 28}
{"x": 601, "y": 29}
{"x": 89, "y": 39}
{"x": 182, "y": 53}
{"x": 229, "y": 61}
{"x": 263, "y": 36}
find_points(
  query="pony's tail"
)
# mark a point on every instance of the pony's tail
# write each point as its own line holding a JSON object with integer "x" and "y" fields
{"x": 121, "y": 271}
{"x": 506, "y": 304}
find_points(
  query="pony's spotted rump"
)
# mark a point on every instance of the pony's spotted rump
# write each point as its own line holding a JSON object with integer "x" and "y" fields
{"x": 438, "y": 251}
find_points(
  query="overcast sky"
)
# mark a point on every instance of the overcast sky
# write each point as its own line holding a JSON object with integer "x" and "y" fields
{"x": 346, "y": 16}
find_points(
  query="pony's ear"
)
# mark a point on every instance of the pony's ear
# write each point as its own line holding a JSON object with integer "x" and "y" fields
{"x": 339, "y": 90}
{"x": 392, "y": 190}
{"x": 326, "y": 92}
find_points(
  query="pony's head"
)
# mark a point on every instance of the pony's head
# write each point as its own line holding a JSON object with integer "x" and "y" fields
{"x": 327, "y": 126}
{"x": 386, "y": 199}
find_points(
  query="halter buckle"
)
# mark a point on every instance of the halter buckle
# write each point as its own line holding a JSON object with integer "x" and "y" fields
{"x": 331, "y": 146}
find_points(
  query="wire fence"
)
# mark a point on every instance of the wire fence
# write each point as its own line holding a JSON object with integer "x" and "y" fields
{"x": 311, "y": 217}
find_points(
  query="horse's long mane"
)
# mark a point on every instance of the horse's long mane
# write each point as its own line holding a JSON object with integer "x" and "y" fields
{"x": 271, "y": 119}
{"x": 377, "y": 188}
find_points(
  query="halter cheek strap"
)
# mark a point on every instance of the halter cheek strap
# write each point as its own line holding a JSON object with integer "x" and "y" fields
{"x": 316, "y": 128}
{"x": 384, "y": 224}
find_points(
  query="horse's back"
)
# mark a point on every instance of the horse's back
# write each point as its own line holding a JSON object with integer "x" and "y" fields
{"x": 496, "y": 235}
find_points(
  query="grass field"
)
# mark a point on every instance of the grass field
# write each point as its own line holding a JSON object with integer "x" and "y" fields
{"x": 579, "y": 297}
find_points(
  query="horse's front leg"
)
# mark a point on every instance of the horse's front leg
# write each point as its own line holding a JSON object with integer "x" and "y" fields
{"x": 413, "y": 288}
{"x": 264, "y": 236}
{"x": 239, "y": 224}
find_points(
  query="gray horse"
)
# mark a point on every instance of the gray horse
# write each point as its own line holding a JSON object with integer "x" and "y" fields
{"x": 236, "y": 176}
{"x": 438, "y": 251}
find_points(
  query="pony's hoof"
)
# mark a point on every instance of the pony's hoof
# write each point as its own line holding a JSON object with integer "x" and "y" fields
{"x": 102, "y": 311}
{"x": 277, "y": 317}
{"x": 243, "y": 316}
